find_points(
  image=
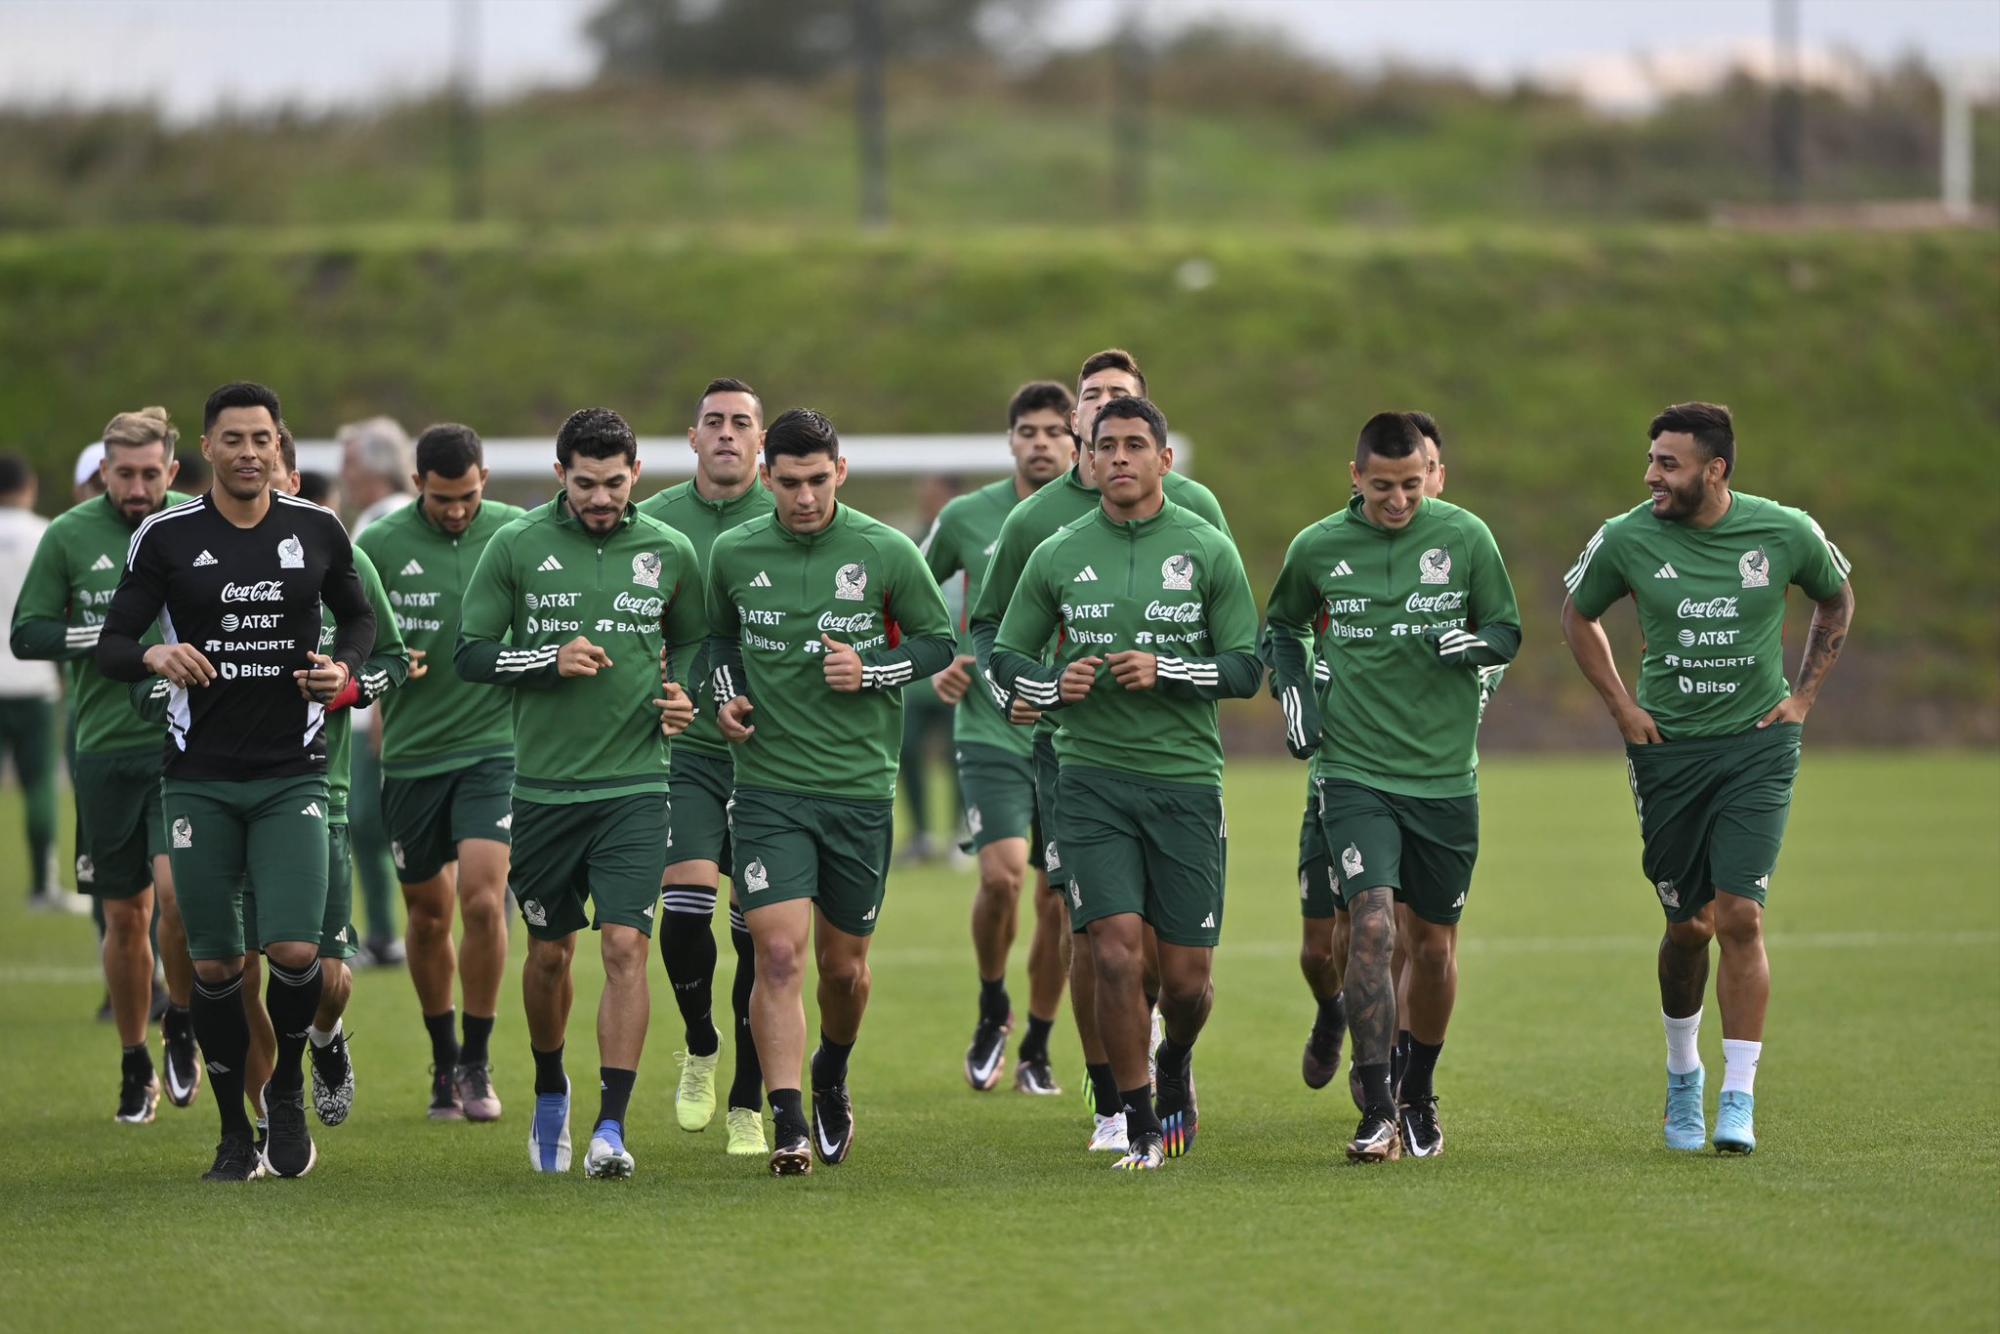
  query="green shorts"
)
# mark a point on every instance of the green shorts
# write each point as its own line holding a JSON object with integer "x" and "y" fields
{"x": 610, "y": 852}
{"x": 336, "y": 928}
{"x": 1423, "y": 848}
{"x": 1712, "y": 814}
{"x": 1319, "y": 882}
{"x": 999, "y": 788}
{"x": 700, "y": 832}
{"x": 119, "y": 830}
{"x": 427, "y": 818}
{"x": 1160, "y": 850}
{"x": 266, "y": 834}
{"x": 792, "y": 846}
{"x": 1046, "y": 772}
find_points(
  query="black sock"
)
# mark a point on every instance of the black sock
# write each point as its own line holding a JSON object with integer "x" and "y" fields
{"x": 1103, "y": 1089}
{"x": 477, "y": 1033}
{"x": 444, "y": 1040}
{"x": 615, "y": 1094}
{"x": 1375, "y": 1095}
{"x": 223, "y": 1031}
{"x": 177, "y": 1022}
{"x": 1173, "y": 1056}
{"x": 829, "y": 1063}
{"x": 292, "y": 998}
{"x": 1035, "y": 1046}
{"x": 1140, "y": 1118}
{"x": 1399, "y": 1059}
{"x": 687, "y": 942}
{"x": 993, "y": 1003}
{"x": 1332, "y": 1017}
{"x": 747, "y": 1089}
{"x": 549, "y": 1076}
{"x": 788, "y": 1114}
{"x": 1422, "y": 1067}
{"x": 138, "y": 1063}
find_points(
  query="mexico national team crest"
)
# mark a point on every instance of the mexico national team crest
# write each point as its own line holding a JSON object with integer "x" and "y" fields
{"x": 183, "y": 833}
{"x": 1755, "y": 567}
{"x": 1434, "y": 567}
{"x": 291, "y": 554}
{"x": 86, "y": 871}
{"x": 1670, "y": 897}
{"x": 646, "y": 569}
{"x": 850, "y": 582}
{"x": 1350, "y": 862}
{"x": 755, "y": 878}
{"x": 1177, "y": 572}
{"x": 536, "y": 914}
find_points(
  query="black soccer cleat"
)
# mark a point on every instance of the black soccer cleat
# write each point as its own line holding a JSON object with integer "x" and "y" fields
{"x": 445, "y": 1105}
{"x": 1376, "y": 1140}
{"x": 182, "y": 1061}
{"x": 1173, "y": 1103}
{"x": 1033, "y": 1075}
{"x": 833, "y": 1124}
{"x": 1423, "y": 1136}
{"x": 333, "y": 1080}
{"x": 236, "y": 1159}
{"x": 1321, "y": 1061}
{"x": 1146, "y": 1153}
{"x": 986, "y": 1058}
{"x": 289, "y": 1150}
{"x": 138, "y": 1097}
{"x": 792, "y": 1158}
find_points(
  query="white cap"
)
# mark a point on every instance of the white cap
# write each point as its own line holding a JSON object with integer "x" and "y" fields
{"x": 87, "y": 462}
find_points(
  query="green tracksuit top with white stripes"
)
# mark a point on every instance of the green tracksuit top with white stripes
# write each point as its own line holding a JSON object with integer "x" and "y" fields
{"x": 962, "y": 542}
{"x": 634, "y": 592}
{"x": 1171, "y": 585}
{"x": 772, "y": 594}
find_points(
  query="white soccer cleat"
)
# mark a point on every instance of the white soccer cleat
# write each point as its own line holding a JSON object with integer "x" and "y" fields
{"x": 607, "y": 1158}
{"x": 1108, "y": 1136}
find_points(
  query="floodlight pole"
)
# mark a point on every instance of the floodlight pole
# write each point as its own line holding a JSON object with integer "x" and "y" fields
{"x": 1955, "y": 166}
{"x": 870, "y": 113}
{"x": 467, "y": 193}
{"x": 1131, "y": 99}
{"x": 1788, "y": 105}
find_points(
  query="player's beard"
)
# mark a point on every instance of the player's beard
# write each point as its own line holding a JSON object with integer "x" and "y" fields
{"x": 1682, "y": 501}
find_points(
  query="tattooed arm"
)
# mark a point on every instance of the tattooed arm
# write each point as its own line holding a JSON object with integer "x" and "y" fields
{"x": 1824, "y": 640}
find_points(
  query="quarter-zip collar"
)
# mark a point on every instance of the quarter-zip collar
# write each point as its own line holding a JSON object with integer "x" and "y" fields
{"x": 722, "y": 509}
{"x": 825, "y": 533}
{"x": 1357, "y": 512}
{"x": 424, "y": 518}
{"x": 1074, "y": 480}
{"x": 567, "y": 517}
{"x": 1134, "y": 529}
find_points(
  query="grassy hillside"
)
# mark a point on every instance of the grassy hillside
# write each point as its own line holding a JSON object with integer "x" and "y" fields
{"x": 1865, "y": 372}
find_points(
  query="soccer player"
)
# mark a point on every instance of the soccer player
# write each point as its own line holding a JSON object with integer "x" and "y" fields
{"x": 447, "y": 765}
{"x": 995, "y": 759}
{"x": 1104, "y": 376}
{"x": 121, "y": 852}
{"x": 1155, "y": 623}
{"x": 580, "y": 606}
{"x": 1712, "y": 741}
{"x": 240, "y": 575}
{"x": 1411, "y": 599}
{"x": 28, "y": 690}
{"x": 818, "y": 617}
{"x": 726, "y": 437}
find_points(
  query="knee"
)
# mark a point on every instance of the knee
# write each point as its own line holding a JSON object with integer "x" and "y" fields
{"x": 292, "y": 955}
{"x": 548, "y": 960}
{"x": 846, "y": 973}
{"x": 1000, "y": 882}
{"x": 1738, "y": 921}
{"x": 1118, "y": 961}
{"x": 125, "y": 917}
{"x": 1692, "y": 935}
{"x": 1183, "y": 990}
{"x": 1049, "y": 912}
{"x": 482, "y": 912}
{"x": 1432, "y": 947}
{"x": 625, "y": 952}
{"x": 780, "y": 963}
{"x": 217, "y": 970}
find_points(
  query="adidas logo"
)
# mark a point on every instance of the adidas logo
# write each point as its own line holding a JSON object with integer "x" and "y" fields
{"x": 647, "y": 912}
{"x": 868, "y": 916}
{"x": 103, "y": 563}
{"x": 1340, "y": 570}
{"x": 761, "y": 581}
{"x": 205, "y": 559}
{"x": 506, "y": 821}
{"x": 312, "y": 809}
{"x": 412, "y": 568}
{"x": 1087, "y": 576}
{"x": 217, "y": 1068}
{"x": 549, "y": 563}
{"x": 1666, "y": 572}
{"x": 1208, "y": 922}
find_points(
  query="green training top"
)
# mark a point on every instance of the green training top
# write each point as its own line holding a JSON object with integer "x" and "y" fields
{"x": 61, "y": 609}
{"x": 1172, "y": 585}
{"x": 771, "y": 594}
{"x": 438, "y": 722}
{"x": 1406, "y": 619}
{"x": 634, "y": 592}
{"x": 1711, "y": 606}
{"x": 701, "y": 522}
{"x": 962, "y": 541}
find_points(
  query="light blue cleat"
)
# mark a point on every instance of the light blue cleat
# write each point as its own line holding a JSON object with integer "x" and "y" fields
{"x": 1733, "y": 1130}
{"x": 607, "y": 1158}
{"x": 548, "y": 1133}
{"x": 1686, "y": 1129}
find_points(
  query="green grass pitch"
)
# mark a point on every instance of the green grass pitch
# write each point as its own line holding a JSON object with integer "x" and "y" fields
{"x": 1872, "y": 1202}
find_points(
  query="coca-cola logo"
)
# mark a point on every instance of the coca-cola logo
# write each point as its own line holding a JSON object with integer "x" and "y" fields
{"x": 846, "y": 625}
{"x": 1174, "y": 613}
{"x": 1454, "y": 600}
{"x": 264, "y": 590}
{"x": 1715, "y": 609}
{"x": 638, "y": 606}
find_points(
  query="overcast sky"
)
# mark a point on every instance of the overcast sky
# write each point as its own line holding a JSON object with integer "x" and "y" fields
{"x": 194, "y": 56}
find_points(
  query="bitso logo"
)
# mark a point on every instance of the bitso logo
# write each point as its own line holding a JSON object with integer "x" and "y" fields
{"x": 755, "y": 878}
{"x": 1755, "y": 567}
{"x": 291, "y": 554}
{"x": 86, "y": 871}
{"x": 534, "y": 626}
{"x": 1177, "y": 572}
{"x": 850, "y": 582}
{"x": 183, "y": 833}
{"x": 1687, "y": 686}
{"x": 1434, "y": 566}
{"x": 1350, "y": 862}
{"x": 646, "y": 569}
{"x": 534, "y": 912}
{"x": 1669, "y": 895}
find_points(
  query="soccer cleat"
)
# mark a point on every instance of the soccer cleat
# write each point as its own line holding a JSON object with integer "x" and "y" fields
{"x": 1173, "y": 1103}
{"x": 792, "y": 1158}
{"x": 1376, "y": 1140}
{"x": 236, "y": 1159}
{"x": 694, "y": 1100}
{"x": 1423, "y": 1135}
{"x": 1686, "y": 1128}
{"x": 1322, "y": 1059}
{"x": 1108, "y": 1133}
{"x": 987, "y": 1056}
{"x": 746, "y": 1132}
{"x": 1147, "y": 1154}
{"x": 833, "y": 1124}
{"x": 138, "y": 1099}
{"x": 1035, "y": 1076}
{"x": 333, "y": 1080}
{"x": 289, "y": 1150}
{"x": 607, "y": 1158}
{"x": 548, "y": 1132}
{"x": 182, "y": 1064}
{"x": 474, "y": 1086}
{"x": 1734, "y": 1132}
{"x": 445, "y": 1105}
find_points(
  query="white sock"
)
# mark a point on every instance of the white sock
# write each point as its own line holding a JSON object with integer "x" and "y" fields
{"x": 1739, "y": 1065}
{"x": 321, "y": 1036}
{"x": 1683, "y": 1050}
